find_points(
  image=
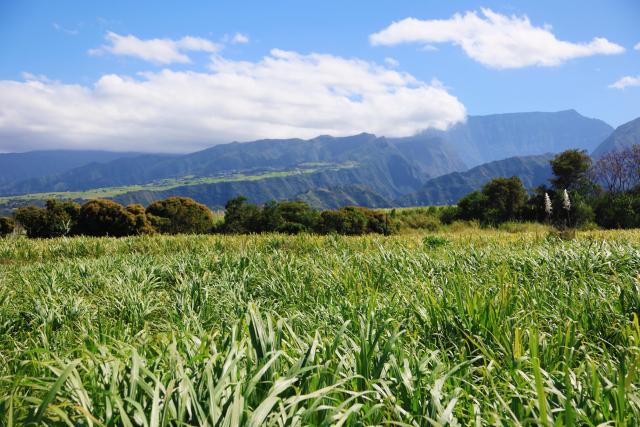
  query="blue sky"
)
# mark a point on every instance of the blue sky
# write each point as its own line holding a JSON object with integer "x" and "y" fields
{"x": 178, "y": 76}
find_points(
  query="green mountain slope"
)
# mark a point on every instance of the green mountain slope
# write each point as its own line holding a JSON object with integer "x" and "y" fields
{"x": 448, "y": 189}
{"x": 402, "y": 175}
{"x": 336, "y": 197}
{"x": 215, "y": 195}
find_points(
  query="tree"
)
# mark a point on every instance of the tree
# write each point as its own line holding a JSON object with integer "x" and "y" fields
{"x": 570, "y": 169}
{"x": 505, "y": 199}
{"x": 618, "y": 210}
{"x": 61, "y": 217}
{"x": 241, "y": 217}
{"x": 106, "y": 218}
{"x": 33, "y": 220}
{"x": 347, "y": 220}
{"x": 295, "y": 217}
{"x": 143, "y": 224}
{"x": 618, "y": 170}
{"x": 180, "y": 215}
{"x": 6, "y": 226}
{"x": 472, "y": 206}
{"x": 58, "y": 218}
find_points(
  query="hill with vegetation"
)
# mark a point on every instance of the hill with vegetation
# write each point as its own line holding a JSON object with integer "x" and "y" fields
{"x": 448, "y": 189}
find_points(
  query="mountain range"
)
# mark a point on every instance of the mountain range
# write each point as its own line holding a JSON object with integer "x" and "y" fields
{"x": 431, "y": 167}
{"x": 623, "y": 137}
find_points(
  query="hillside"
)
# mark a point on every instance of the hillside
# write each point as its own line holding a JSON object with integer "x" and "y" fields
{"x": 404, "y": 174}
{"x": 336, "y": 197}
{"x": 623, "y": 137}
{"x": 448, "y": 189}
{"x": 215, "y": 195}
{"x": 484, "y": 139}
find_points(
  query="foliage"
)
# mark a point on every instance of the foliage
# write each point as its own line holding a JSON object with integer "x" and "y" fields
{"x": 142, "y": 220}
{"x": 33, "y": 220}
{"x": 58, "y": 218}
{"x": 177, "y": 215}
{"x": 6, "y": 226}
{"x": 433, "y": 242}
{"x": 106, "y": 218}
{"x": 320, "y": 330}
{"x": 570, "y": 169}
{"x": 501, "y": 199}
{"x": 241, "y": 217}
{"x": 618, "y": 210}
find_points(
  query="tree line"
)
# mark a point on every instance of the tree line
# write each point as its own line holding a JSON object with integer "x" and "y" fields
{"x": 182, "y": 215}
{"x": 605, "y": 193}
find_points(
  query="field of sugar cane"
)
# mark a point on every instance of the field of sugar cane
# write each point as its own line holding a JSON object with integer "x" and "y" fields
{"x": 479, "y": 328}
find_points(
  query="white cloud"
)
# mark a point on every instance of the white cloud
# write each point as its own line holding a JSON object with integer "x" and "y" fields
{"x": 391, "y": 62}
{"x": 240, "y": 38}
{"x": 625, "y": 82}
{"x": 637, "y": 47}
{"x": 286, "y": 94}
{"x": 495, "y": 40}
{"x": 156, "y": 51}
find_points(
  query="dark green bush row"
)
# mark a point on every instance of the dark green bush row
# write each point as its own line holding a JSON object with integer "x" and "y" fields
{"x": 506, "y": 199}
{"x": 177, "y": 215}
{"x": 293, "y": 217}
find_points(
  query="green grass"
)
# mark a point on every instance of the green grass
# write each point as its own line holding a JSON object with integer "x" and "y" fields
{"x": 476, "y": 327}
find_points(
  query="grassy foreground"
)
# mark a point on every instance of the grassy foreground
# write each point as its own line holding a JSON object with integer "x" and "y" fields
{"x": 485, "y": 328}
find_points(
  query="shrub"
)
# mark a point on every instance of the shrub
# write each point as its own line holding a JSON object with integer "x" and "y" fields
{"x": 177, "y": 215}
{"x": 241, "y": 217}
{"x": 106, "y": 218}
{"x": 448, "y": 214}
{"x": 33, "y": 220}
{"x": 293, "y": 217}
{"x": 433, "y": 242}
{"x": 58, "y": 218}
{"x": 472, "y": 206}
{"x": 347, "y": 220}
{"x": 61, "y": 217}
{"x": 7, "y": 226}
{"x": 618, "y": 210}
{"x": 143, "y": 224}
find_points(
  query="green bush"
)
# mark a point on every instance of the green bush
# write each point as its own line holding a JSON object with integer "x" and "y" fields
{"x": 7, "y": 226}
{"x": 106, "y": 218}
{"x": 33, "y": 220}
{"x": 433, "y": 242}
{"x": 618, "y": 210}
{"x": 143, "y": 223}
{"x": 180, "y": 215}
{"x": 57, "y": 218}
{"x": 241, "y": 217}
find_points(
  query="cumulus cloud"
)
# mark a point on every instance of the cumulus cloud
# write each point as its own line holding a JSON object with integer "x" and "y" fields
{"x": 239, "y": 38}
{"x": 495, "y": 40}
{"x": 625, "y": 82}
{"x": 156, "y": 51}
{"x": 637, "y": 47}
{"x": 285, "y": 94}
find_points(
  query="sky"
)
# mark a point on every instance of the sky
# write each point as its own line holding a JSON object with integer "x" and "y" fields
{"x": 168, "y": 76}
